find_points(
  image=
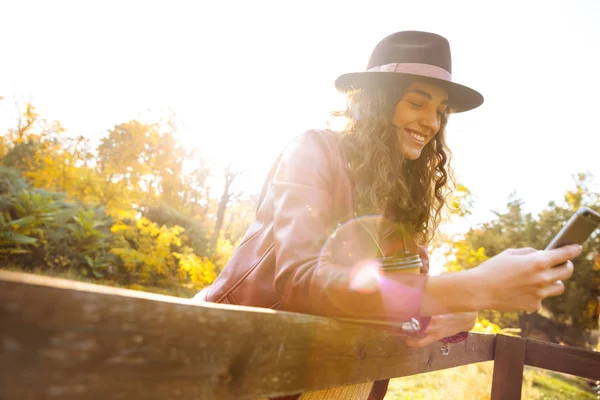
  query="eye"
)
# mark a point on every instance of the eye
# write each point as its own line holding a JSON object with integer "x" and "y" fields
{"x": 416, "y": 105}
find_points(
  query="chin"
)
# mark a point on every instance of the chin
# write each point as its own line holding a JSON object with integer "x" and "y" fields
{"x": 412, "y": 155}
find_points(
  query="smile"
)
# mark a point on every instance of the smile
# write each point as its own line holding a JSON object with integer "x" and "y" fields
{"x": 416, "y": 136}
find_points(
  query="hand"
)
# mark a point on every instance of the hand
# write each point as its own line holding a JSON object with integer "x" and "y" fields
{"x": 519, "y": 279}
{"x": 444, "y": 325}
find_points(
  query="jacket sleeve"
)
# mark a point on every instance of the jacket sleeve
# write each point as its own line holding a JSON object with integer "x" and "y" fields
{"x": 306, "y": 280}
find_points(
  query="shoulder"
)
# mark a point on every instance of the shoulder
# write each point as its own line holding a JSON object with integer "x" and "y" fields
{"x": 313, "y": 144}
{"x": 314, "y": 152}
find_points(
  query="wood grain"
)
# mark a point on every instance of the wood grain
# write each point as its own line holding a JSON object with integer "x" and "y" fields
{"x": 509, "y": 358}
{"x": 70, "y": 340}
{"x": 569, "y": 360}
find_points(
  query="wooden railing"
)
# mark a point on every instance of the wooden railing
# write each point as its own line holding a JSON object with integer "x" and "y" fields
{"x": 70, "y": 340}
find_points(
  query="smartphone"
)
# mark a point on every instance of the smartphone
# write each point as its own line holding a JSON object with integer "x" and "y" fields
{"x": 577, "y": 229}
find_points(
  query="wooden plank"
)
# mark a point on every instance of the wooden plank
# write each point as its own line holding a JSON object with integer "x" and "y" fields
{"x": 509, "y": 357}
{"x": 569, "y": 360}
{"x": 70, "y": 340}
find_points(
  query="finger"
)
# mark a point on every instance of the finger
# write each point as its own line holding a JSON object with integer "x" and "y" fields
{"x": 561, "y": 255}
{"x": 561, "y": 265}
{"x": 554, "y": 289}
{"x": 560, "y": 273}
{"x": 520, "y": 251}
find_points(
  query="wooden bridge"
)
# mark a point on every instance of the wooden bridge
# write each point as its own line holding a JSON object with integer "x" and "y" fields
{"x": 70, "y": 340}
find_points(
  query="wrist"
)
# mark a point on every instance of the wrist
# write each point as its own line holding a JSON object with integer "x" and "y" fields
{"x": 478, "y": 290}
{"x": 452, "y": 293}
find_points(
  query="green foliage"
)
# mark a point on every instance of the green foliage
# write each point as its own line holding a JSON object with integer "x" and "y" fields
{"x": 79, "y": 210}
{"x": 515, "y": 228}
{"x": 11, "y": 181}
{"x": 81, "y": 240}
{"x": 39, "y": 227}
{"x": 21, "y": 155}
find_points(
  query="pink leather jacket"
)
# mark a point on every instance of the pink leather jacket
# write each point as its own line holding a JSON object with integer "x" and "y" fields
{"x": 306, "y": 252}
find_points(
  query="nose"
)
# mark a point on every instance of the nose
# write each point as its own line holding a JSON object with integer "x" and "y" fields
{"x": 430, "y": 120}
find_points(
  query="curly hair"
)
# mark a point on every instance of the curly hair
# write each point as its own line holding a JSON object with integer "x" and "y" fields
{"x": 416, "y": 190}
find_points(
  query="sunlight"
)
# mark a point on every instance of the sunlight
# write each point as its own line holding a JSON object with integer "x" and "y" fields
{"x": 137, "y": 136}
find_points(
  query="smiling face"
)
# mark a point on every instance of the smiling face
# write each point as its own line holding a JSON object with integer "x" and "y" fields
{"x": 418, "y": 117}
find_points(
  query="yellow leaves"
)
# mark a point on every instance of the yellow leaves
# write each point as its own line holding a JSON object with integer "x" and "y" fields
{"x": 123, "y": 213}
{"x": 136, "y": 164}
{"x": 119, "y": 226}
{"x": 223, "y": 253}
{"x": 592, "y": 306}
{"x": 462, "y": 256}
{"x": 484, "y": 326}
{"x": 460, "y": 202}
{"x": 158, "y": 255}
{"x": 48, "y": 161}
{"x": 199, "y": 270}
{"x": 596, "y": 266}
{"x": 476, "y": 257}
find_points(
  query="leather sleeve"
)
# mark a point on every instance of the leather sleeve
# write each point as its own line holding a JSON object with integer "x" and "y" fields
{"x": 306, "y": 280}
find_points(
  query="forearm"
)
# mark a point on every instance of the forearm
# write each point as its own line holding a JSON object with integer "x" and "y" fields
{"x": 329, "y": 290}
{"x": 454, "y": 292}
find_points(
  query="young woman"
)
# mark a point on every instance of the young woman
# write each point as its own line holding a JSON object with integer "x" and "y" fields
{"x": 343, "y": 216}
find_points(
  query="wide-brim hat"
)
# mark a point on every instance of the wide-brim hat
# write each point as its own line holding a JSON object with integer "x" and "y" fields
{"x": 407, "y": 56}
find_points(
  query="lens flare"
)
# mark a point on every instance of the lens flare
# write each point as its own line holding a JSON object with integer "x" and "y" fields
{"x": 366, "y": 277}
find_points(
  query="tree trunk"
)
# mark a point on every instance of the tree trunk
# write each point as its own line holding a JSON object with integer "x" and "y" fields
{"x": 225, "y": 197}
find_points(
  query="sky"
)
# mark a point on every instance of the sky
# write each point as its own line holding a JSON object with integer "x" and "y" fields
{"x": 245, "y": 77}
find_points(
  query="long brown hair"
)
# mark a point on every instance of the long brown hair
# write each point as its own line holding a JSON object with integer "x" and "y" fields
{"x": 416, "y": 190}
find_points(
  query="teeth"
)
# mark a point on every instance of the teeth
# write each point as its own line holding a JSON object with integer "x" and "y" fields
{"x": 418, "y": 137}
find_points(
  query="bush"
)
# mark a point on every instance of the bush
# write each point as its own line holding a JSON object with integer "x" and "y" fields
{"x": 41, "y": 230}
{"x": 196, "y": 233}
{"x": 159, "y": 255}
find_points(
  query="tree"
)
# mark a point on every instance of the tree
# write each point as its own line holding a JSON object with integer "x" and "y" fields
{"x": 121, "y": 167}
{"x": 515, "y": 228}
{"x": 239, "y": 216}
{"x": 229, "y": 177}
{"x": 136, "y": 208}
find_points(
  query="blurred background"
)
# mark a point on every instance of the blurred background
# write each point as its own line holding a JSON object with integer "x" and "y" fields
{"x": 136, "y": 136}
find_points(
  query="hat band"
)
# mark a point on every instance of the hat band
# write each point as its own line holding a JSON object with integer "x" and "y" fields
{"x": 427, "y": 70}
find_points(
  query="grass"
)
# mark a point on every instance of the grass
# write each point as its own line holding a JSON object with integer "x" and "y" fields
{"x": 553, "y": 385}
{"x": 474, "y": 382}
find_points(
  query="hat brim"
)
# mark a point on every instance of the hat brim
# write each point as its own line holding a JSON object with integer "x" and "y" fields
{"x": 460, "y": 98}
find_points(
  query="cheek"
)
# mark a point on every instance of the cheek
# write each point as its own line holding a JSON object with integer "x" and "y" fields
{"x": 401, "y": 116}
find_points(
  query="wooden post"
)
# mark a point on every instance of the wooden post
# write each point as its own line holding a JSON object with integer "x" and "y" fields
{"x": 509, "y": 358}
